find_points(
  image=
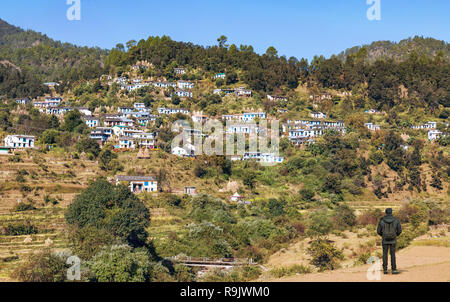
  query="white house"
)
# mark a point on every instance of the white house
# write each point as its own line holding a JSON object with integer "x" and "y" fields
{"x": 163, "y": 110}
{"x": 48, "y": 102}
{"x": 429, "y": 125}
{"x": 183, "y": 93}
{"x": 276, "y": 98}
{"x": 187, "y": 150}
{"x": 199, "y": 118}
{"x": 251, "y": 116}
{"x": 220, "y": 76}
{"x": 236, "y": 197}
{"x": 19, "y": 141}
{"x": 434, "y": 134}
{"x": 318, "y": 115}
{"x": 185, "y": 85}
{"x": 372, "y": 127}
{"x": 91, "y": 122}
{"x": 23, "y": 101}
{"x": 179, "y": 70}
{"x": 164, "y": 84}
{"x": 263, "y": 157}
{"x": 139, "y": 184}
{"x": 241, "y": 128}
{"x": 85, "y": 111}
{"x": 57, "y": 110}
{"x": 118, "y": 121}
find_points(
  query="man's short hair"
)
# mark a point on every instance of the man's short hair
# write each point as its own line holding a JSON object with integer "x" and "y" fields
{"x": 388, "y": 211}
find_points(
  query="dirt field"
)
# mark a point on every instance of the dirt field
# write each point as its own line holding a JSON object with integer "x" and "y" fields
{"x": 416, "y": 264}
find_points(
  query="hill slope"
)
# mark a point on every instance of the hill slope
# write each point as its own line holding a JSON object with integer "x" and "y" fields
{"x": 400, "y": 51}
{"x": 47, "y": 59}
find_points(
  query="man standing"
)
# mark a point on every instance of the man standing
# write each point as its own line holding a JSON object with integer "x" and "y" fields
{"x": 389, "y": 228}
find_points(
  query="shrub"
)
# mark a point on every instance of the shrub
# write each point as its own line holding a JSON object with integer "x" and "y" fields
{"x": 43, "y": 266}
{"x": 23, "y": 206}
{"x": 284, "y": 271}
{"x": 370, "y": 217}
{"x": 324, "y": 254}
{"x": 123, "y": 264}
{"x": 307, "y": 194}
{"x": 319, "y": 224}
{"x": 344, "y": 217}
{"x": 21, "y": 229}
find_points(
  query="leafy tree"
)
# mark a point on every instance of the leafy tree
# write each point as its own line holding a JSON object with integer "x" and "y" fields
{"x": 250, "y": 179}
{"x": 112, "y": 208}
{"x": 106, "y": 159}
{"x": 89, "y": 145}
{"x": 123, "y": 264}
{"x": 72, "y": 120}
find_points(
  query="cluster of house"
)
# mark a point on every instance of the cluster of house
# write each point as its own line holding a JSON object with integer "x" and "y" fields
{"x": 277, "y": 98}
{"x": 125, "y": 129}
{"x": 428, "y": 125}
{"x": 240, "y": 92}
{"x": 305, "y": 131}
{"x": 433, "y": 133}
{"x": 182, "y": 87}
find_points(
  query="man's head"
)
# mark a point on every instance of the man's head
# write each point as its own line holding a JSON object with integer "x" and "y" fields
{"x": 388, "y": 211}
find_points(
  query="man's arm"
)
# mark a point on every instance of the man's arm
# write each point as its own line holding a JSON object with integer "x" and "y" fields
{"x": 380, "y": 229}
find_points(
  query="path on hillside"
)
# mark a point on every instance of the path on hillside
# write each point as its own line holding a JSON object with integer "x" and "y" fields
{"x": 416, "y": 264}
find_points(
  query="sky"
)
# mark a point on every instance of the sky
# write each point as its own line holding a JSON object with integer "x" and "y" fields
{"x": 298, "y": 28}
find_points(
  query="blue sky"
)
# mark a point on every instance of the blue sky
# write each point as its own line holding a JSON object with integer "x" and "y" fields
{"x": 297, "y": 28}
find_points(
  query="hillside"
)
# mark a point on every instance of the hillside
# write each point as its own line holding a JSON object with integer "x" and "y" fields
{"x": 400, "y": 51}
{"x": 46, "y": 59}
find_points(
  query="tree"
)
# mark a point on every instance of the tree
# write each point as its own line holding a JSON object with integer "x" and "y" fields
{"x": 332, "y": 183}
{"x": 106, "y": 159}
{"x": 89, "y": 146}
{"x": 72, "y": 120}
{"x": 124, "y": 264}
{"x": 249, "y": 179}
{"x": 272, "y": 52}
{"x": 112, "y": 208}
{"x": 222, "y": 40}
{"x": 49, "y": 137}
{"x": 393, "y": 151}
{"x": 131, "y": 44}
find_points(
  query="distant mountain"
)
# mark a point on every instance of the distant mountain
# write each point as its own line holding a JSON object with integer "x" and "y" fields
{"x": 47, "y": 59}
{"x": 400, "y": 51}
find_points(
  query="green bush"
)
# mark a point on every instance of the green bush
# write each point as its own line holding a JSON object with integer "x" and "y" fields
{"x": 286, "y": 271}
{"x": 43, "y": 266}
{"x": 21, "y": 229}
{"x": 325, "y": 255}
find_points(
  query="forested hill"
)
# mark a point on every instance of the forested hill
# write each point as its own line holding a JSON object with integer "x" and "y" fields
{"x": 46, "y": 59}
{"x": 400, "y": 51}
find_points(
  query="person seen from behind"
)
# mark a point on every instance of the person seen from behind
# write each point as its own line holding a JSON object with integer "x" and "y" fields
{"x": 389, "y": 229}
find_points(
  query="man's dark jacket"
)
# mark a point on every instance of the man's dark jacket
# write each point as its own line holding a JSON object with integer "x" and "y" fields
{"x": 385, "y": 220}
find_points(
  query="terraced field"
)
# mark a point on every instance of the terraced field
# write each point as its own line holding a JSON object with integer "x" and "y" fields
{"x": 49, "y": 183}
